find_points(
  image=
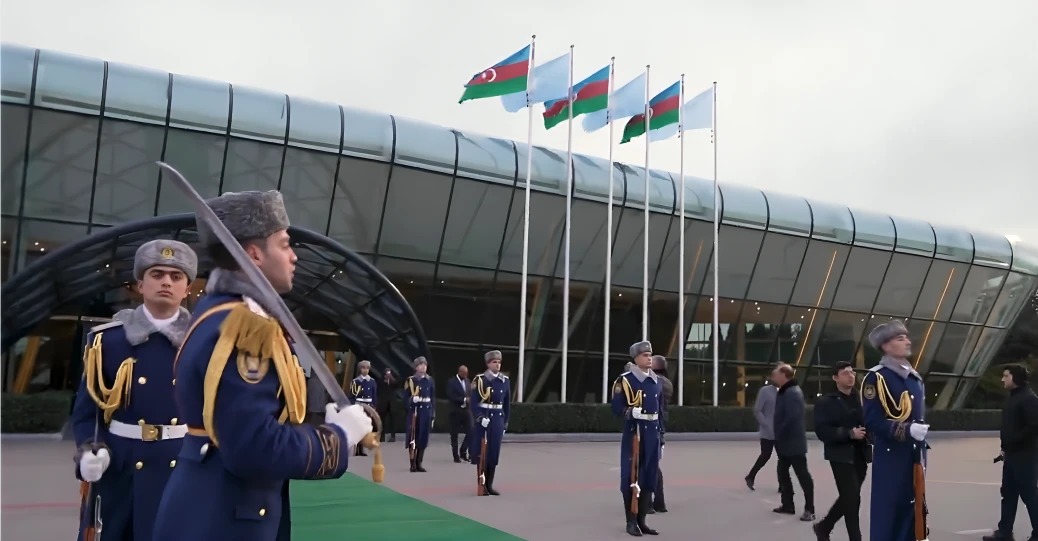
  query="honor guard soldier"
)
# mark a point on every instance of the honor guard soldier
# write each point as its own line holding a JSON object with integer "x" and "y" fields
{"x": 420, "y": 412}
{"x": 492, "y": 404}
{"x": 364, "y": 390}
{"x": 242, "y": 393}
{"x": 892, "y": 398}
{"x": 638, "y": 398}
{"x": 126, "y": 396}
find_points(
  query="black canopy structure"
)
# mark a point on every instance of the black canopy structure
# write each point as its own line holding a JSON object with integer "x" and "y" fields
{"x": 333, "y": 286}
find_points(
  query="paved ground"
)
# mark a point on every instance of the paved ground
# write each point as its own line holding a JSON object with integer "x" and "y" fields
{"x": 570, "y": 491}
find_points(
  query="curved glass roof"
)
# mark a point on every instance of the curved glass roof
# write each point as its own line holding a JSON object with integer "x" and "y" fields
{"x": 341, "y": 288}
{"x": 73, "y": 83}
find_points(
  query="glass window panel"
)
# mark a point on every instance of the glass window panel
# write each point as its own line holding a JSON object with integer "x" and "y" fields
{"x": 459, "y": 300}
{"x": 777, "y": 268}
{"x": 660, "y": 233}
{"x": 315, "y": 124}
{"x": 306, "y": 186}
{"x": 987, "y": 345}
{"x": 743, "y": 205}
{"x": 761, "y": 322}
{"x": 634, "y": 180}
{"x": 940, "y": 391}
{"x": 584, "y": 368}
{"x": 965, "y": 397}
{"x": 199, "y": 157}
{"x": 368, "y": 135}
{"x": 252, "y": 165}
{"x": 259, "y": 114}
{"x": 69, "y": 82}
{"x": 861, "y": 279}
{"x": 126, "y": 173}
{"x": 14, "y": 124}
{"x": 137, "y": 94}
{"x": 832, "y": 222}
{"x": 700, "y": 338}
{"x": 699, "y": 382}
{"x": 663, "y": 323}
{"x": 588, "y": 240}
{"x": 822, "y": 268}
{"x": 8, "y": 230}
{"x": 940, "y": 290}
{"x": 839, "y": 340}
{"x": 628, "y": 248}
{"x": 425, "y": 146}
{"x": 873, "y": 230}
{"x": 476, "y": 223}
{"x": 41, "y": 238}
{"x": 788, "y": 214}
{"x": 549, "y": 169}
{"x": 901, "y": 285}
{"x": 16, "y": 65}
{"x": 739, "y": 250}
{"x": 416, "y": 208}
{"x": 1025, "y": 258}
{"x": 501, "y": 324}
{"x": 360, "y": 193}
{"x": 699, "y": 198}
{"x": 414, "y": 280}
{"x": 61, "y": 165}
{"x": 799, "y": 335}
{"x": 699, "y": 238}
{"x": 1015, "y": 293}
{"x": 953, "y": 243}
{"x": 486, "y": 158}
{"x": 978, "y": 295}
{"x": 992, "y": 250}
{"x": 661, "y": 192}
{"x": 925, "y": 336}
{"x": 591, "y": 177}
{"x": 199, "y": 104}
{"x": 625, "y": 319}
{"x": 914, "y": 236}
{"x": 955, "y": 347}
{"x": 547, "y": 322}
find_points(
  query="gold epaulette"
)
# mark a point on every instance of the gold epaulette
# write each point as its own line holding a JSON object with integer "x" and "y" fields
{"x": 482, "y": 389}
{"x": 107, "y": 398}
{"x": 634, "y": 399}
{"x": 896, "y": 410}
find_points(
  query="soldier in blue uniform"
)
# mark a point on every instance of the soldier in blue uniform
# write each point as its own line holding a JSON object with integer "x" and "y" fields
{"x": 242, "y": 393}
{"x": 892, "y": 396}
{"x": 364, "y": 390}
{"x": 638, "y": 398}
{"x": 126, "y": 396}
{"x": 420, "y": 393}
{"x": 492, "y": 406}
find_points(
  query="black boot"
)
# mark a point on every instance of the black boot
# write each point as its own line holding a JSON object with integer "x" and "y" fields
{"x": 659, "y": 502}
{"x": 632, "y": 519}
{"x": 419, "y": 457}
{"x": 644, "y": 504}
{"x": 414, "y": 460}
{"x": 491, "y": 471}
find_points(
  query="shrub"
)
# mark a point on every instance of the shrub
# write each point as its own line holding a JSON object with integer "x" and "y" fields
{"x": 37, "y": 413}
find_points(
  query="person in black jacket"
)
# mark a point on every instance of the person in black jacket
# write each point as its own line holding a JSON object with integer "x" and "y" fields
{"x": 460, "y": 416}
{"x": 791, "y": 443}
{"x": 387, "y": 393}
{"x": 1019, "y": 436}
{"x": 840, "y": 425}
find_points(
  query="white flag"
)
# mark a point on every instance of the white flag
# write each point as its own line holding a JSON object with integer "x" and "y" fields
{"x": 696, "y": 114}
{"x": 626, "y": 101}
{"x": 549, "y": 81}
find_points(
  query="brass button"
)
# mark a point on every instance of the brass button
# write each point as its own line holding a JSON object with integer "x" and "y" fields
{"x": 172, "y": 463}
{"x": 174, "y": 381}
{"x": 142, "y": 380}
{"x": 263, "y": 512}
{"x": 173, "y": 421}
{"x": 141, "y": 422}
{"x": 140, "y": 465}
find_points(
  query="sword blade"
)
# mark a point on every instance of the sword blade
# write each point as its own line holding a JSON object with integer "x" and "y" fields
{"x": 304, "y": 349}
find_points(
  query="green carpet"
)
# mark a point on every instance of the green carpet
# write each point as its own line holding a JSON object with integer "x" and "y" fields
{"x": 355, "y": 509}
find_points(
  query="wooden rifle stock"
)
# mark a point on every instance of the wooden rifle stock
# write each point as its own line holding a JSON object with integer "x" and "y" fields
{"x": 635, "y": 491}
{"x": 481, "y": 468}
{"x": 922, "y": 531}
{"x": 413, "y": 444}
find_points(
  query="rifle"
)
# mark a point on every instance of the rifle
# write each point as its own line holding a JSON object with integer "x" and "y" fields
{"x": 922, "y": 531}
{"x": 91, "y": 500}
{"x": 413, "y": 445}
{"x": 481, "y": 480}
{"x": 635, "y": 489}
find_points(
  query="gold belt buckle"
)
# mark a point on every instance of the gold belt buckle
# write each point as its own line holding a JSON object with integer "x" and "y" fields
{"x": 149, "y": 433}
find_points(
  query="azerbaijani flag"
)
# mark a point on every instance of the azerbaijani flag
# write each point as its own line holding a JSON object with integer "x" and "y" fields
{"x": 589, "y": 95}
{"x": 663, "y": 110}
{"x": 506, "y": 77}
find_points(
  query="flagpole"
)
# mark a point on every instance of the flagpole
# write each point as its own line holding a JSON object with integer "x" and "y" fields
{"x": 519, "y": 381}
{"x": 569, "y": 206}
{"x": 717, "y": 215}
{"x": 609, "y": 242}
{"x": 681, "y": 245}
{"x": 645, "y": 242}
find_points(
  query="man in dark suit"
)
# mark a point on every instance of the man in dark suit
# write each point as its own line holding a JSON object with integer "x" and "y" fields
{"x": 659, "y": 367}
{"x": 791, "y": 443}
{"x": 386, "y": 395}
{"x": 840, "y": 425}
{"x": 460, "y": 415}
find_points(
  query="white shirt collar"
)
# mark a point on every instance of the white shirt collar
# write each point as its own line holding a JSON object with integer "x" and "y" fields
{"x": 160, "y": 323}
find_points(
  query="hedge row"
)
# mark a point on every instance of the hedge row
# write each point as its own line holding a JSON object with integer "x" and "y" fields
{"x": 47, "y": 412}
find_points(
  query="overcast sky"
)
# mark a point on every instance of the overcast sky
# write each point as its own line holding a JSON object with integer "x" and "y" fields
{"x": 924, "y": 108}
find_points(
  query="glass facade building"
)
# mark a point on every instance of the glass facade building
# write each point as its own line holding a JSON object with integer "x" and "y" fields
{"x": 439, "y": 212}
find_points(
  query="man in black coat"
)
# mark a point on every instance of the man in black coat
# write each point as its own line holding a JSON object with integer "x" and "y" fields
{"x": 791, "y": 443}
{"x": 387, "y": 394}
{"x": 460, "y": 416}
{"x": 1019, "y": 436}
{"x": 840, "y": 425}
{"x": 659, "y": 366}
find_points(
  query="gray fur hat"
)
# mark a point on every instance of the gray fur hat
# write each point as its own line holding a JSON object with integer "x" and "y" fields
{"x": 641, "y": 347}
{"x": 420, "y": 361}
{"x": 169, "y": 253}
{"x": 886, "y": 332}
{"x": 364, "y": 364}
{"x": 248, "y": 216}
{"x": 494, "y": 355}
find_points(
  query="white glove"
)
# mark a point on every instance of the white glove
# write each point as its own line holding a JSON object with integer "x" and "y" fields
{"x": 635, "y": 412}
{"x": 351, "y": 419}
{"x": 92, "y": 465}
{"x": 918, "y": 431}
{"x": 485, "y": 422}
{"x": 417, "y": 400}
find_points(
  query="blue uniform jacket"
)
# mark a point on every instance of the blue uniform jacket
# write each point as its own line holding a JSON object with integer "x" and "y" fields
{"x": 891, "y": 404}
{"x": 491, "y": 400}
{"x": 647, "y": 394}
{"x": 364, "y": 389}
{"x": 242, "y": 393}
{"x": 420, "y": 394}
{"x": 132, "y": 385}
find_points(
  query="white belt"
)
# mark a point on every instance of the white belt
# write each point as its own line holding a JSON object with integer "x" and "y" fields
{"x": 147, "y": 432}
{"x": 645, "y": 416}
{"x": 422, "y": 399}
{"x": 491, "y": 406}
{"x": 366, "y": 400}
